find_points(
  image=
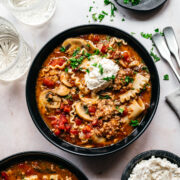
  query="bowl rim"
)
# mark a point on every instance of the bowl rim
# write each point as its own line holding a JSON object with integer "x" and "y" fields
{"x": 147, "y": 155}
{"x": 78, "y": 150}
{"x": 41, "y": 155}
{"x": 140, "y": 10}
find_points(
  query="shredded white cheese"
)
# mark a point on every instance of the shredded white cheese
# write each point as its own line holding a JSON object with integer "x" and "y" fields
{"x": 155, "y": 169}
{"x": 98, "y": 69}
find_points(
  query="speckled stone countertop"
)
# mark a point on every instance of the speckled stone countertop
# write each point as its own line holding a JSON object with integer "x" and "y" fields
{"x": 17, "y": 131}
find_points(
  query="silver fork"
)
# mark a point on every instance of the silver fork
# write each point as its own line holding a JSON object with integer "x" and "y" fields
{"x": 172, "y": 43}
{"x": 164, "y": 52}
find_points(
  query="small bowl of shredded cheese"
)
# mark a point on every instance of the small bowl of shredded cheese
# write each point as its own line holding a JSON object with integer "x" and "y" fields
{"x": 153, "y": 165}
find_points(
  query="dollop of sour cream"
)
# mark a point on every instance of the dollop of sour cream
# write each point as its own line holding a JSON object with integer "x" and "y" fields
{"x": 100, "y": 72}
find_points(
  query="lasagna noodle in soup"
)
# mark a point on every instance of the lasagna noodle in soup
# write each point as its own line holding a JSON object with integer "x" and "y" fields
{"x": 93, "y": 90}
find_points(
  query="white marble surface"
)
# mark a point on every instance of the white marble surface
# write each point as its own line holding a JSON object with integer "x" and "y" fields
{"x": 17, "y": 131}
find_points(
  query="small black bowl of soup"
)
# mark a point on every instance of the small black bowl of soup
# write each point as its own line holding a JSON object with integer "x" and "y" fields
{"x": 151, "y": 165}
{"x": 38, "y": 165}
{"x": 92, "y": 90}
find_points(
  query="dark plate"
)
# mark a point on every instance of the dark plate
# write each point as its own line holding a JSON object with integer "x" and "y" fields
{"x": 17, "y": 158}
{"x": 144, "y": 5}
{"x": 36, "y": 66}
{"x": 147, "y": 155}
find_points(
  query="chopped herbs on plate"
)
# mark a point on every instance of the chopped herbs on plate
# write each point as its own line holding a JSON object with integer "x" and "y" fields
{"x": 155, "y": 57}
{"x": 166, "y": 77}
{"x": 120, "y": 110}
{"x": 105, "y": 97}
{"x": 146, "y": 35}
{"x": 62, "y": 49}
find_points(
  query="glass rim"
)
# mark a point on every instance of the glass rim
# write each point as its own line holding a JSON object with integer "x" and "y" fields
{"x": 10, "y": 5}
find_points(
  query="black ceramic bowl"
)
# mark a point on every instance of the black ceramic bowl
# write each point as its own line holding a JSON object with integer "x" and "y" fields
{"x": 143, "y": 6}
{"x": 147, "y": 155}
{"x": 17, "y": 158}
{"x": 36, "y": 66}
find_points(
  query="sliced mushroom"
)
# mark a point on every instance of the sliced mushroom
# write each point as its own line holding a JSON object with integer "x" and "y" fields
{"x": 48, "y": 99}
{"x": 81, "y": 112}
{"x": 92, "y": 100}
{"x": 64, "y": 79}
{"x": 98, "y": 140}
{"x": 72, "y": 44}
{"x": 62, "y": 90}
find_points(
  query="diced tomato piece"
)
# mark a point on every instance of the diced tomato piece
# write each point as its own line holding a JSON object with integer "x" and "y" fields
{"x": 57, "y": 132}
{"x": 61, "y": 125}
{"x": 75, "y": 96}
{"x": 86, "y": 129}
{"x": 96, "y": 38}
{"x": 48, "y": 82}
{"x": 58, "y": 61}
{"x": 29, "y": 171}
{"x": 4, "y": 175}
{"x": 67, "y": 108}
{"x": 95, "y": 122}
{"x": 54, "y": 122}
{"x": 74, "y": 131}
{"x": 67, "y": 127}
{"x": 58, "y": 111}
{"x": 78, "y": 121}
{"x": 92, "y": 109}
{"x": 21, "y": 165}
{"x": 125, "y": 56}
{"x": 70, "y": 102}
{"x": 104, "y": 48}
{"x": 88, "y": 135}
{"x": 63, "y": 119}
{"x": 62, "y": 106}
{"x": 125, "y": 112}
{"x": 52, "y": 118}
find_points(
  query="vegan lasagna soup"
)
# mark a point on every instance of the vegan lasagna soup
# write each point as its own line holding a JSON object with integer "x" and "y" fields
{"x": 35, "y": 170}
{"x": 93, "y": 90}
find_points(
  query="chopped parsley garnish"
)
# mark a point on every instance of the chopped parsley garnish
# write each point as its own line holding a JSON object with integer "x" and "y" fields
{"x": 156, "y": 30}
{"x": 88, "y": 55}
{"x": 166, "y": 77}
{"x": 134, "y": 123}
{"x": 101, "y": 70}
{"x": 146, "y": 35}
{"x": 145, "y": 68}
{"x": 133, "y": 2}
{"x": 105, "y": 97}
{"x": 110, "y": 48}
{"x": 101, "y": 17}
{"x": 120, "y": 110}
{"x": 87, "y": 70}
{"x": 62, "y": 49}
{"x": 109, "y": 78}
{"x": 96, "y": 52}
{"x": 86, "y": 109}
{"x": 90, "y": 8}
{"x": 113, "y": 7}
{"x": 133, "y": 33}
{"x": 105, "y": 13}
{"x": 75, "y": 62}
{"x": 66, "y": 70}
{"x": 128, "y": 79}
{"x": 76, "y": 52}
{"x": 94, "y": 17}
{"x": 155, "y": 57}
{"x": 122, "y": 19}
{"x": 95, "y": 64}
{"x": 69, "y": 96}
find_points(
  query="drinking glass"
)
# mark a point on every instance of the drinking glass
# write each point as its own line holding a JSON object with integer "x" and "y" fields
{"x": 32, "y": 12}
{"x": 15, "y": 55}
